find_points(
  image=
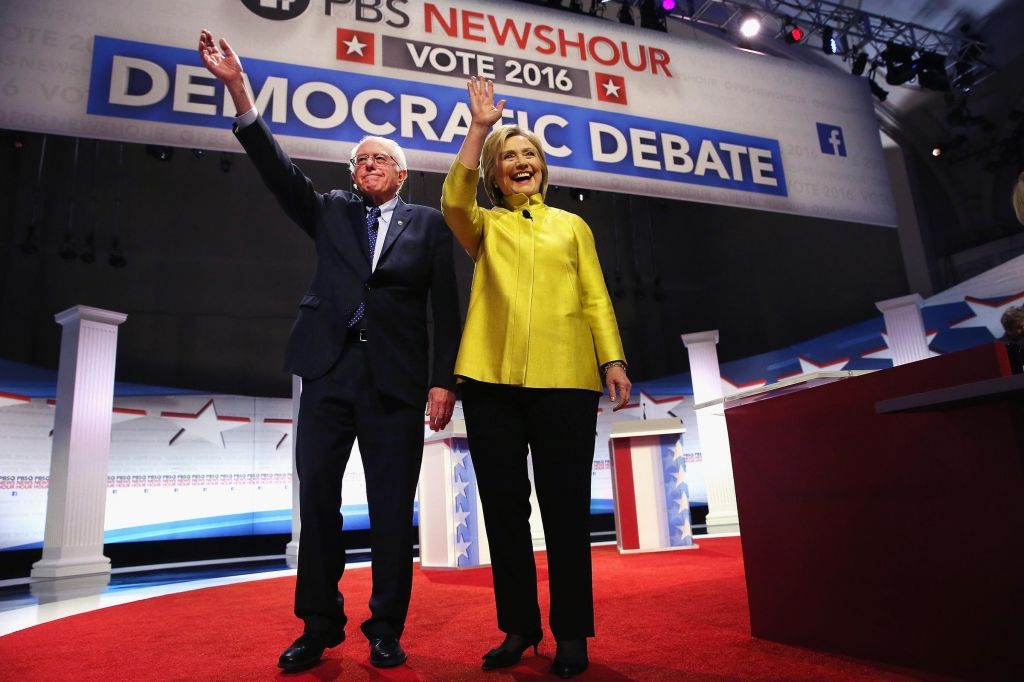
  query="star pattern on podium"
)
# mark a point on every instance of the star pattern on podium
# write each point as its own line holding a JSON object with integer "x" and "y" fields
{"x": 681, "y": 502}
{"x": 462, "y": 549}
{"x": 460, "y": 487}
{"x": 460, "y": 517}
{"x": 987, "y": 313}
{"x": 680, "y": 476}
{"x": 808, "y": 366}
{"x": 205, "y": 424}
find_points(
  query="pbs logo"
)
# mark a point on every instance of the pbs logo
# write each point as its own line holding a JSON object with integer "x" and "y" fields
{"x": 278, "y": 10}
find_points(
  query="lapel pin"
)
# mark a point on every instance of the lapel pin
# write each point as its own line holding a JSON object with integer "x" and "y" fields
{"x": 399, "y": 222}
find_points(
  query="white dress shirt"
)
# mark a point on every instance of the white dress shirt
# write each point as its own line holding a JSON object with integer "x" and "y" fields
{"x": 386, "y": 210}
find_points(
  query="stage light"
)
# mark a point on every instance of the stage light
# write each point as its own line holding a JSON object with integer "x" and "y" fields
{"x": 197, "y": 153}
{"x": 116, "y": 258}
{"x": 579, "y": 194}
{"x": 877, "y": 91}
{"x": 67, "y": 247}
{"x": 652, "y": 17}
{"x": 937, "y": 151}
{"x": 932, "y": 71}
{"x": 900, "y": 66}
{"x": 160, "y": 152}
{"x": 750, "y": 25}
{"x": 792, "y": 34}
{"x": 28, "y": 247}
{"x": 626, "y": 14}
{"x": 668, "y": 5}
{"x": 859, "y": 62}
{"x": 829, "y": 45}
{"x": 89, "y": 255}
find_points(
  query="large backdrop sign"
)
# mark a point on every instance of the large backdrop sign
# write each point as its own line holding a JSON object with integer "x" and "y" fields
{"x": 618, "y": 108}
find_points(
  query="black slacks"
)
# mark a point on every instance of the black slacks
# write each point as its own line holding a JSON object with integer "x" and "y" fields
{"x": 335, "y": 410}
{"x": 558, "y": 427}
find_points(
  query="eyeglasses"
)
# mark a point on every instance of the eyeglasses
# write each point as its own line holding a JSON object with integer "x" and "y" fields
{"x": 380, "y": 159}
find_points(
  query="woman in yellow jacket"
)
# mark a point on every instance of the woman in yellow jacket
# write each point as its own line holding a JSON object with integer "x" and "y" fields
{"x": 540, "y": 325}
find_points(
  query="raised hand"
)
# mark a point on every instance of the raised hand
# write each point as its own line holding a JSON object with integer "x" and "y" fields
{"x": 227, "y": 67}
{"x": 481, "y": 102}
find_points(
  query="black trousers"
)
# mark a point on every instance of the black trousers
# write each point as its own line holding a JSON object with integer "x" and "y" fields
{"x": 558, "y": 426}
{"x": 335, "y": 410}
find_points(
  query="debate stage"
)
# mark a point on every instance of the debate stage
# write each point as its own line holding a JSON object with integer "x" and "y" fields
{"x": 660, "y": 616}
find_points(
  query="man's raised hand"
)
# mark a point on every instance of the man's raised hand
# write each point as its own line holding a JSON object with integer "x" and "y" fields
{"x": 227, "y": 67}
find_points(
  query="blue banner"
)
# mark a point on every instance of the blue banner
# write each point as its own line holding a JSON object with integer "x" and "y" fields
{"x": 134, "y": 80}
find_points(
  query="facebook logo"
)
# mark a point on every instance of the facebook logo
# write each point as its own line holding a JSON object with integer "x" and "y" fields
{"x": 831, "y": 139}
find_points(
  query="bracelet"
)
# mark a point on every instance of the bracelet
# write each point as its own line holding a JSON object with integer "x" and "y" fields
{"x": 614, "y": 363}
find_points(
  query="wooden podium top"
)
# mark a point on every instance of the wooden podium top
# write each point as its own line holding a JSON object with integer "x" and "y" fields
{"x": 647, "y": 427}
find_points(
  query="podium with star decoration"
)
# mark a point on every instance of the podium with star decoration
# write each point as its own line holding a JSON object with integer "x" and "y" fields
{"x": 451, "y": 521}
{"x": 652, "y": 503}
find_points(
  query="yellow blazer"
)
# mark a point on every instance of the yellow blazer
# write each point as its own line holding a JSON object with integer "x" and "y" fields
{"x": 539, "y": 311}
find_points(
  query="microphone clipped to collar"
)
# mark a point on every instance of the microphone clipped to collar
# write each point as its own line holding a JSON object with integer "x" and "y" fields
{"x": 526, "y": 214}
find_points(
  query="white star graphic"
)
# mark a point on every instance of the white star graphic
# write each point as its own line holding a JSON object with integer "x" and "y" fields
{"x": 282, "y": 426}
{"x": 460, "y": 517}
{"x": 610, "y": 88}
{"x": 680, "y": 476}
{"x": 460, "y": 456}
{"x": 462, "y": 549}
{"x": 886, "y": 352}
{"x": 354, "y": 46}
{"x": 682, "y": 503}
{"x": 729, "y": 388}
{"x": 810, "y": 366}
{"x": 460, "y": 487}
{"x": 987, "y": 314}
{"x": 205, "y": 424}
{"x": 125, "y": 414}
{"x": 677, "y": 450}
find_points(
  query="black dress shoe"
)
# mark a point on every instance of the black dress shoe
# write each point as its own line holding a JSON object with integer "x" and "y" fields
{"x": 386, "y": 652}
{"x": 510, "y": 651}
{"x": 570, "y": 658}
{"x": 306, "y": 651}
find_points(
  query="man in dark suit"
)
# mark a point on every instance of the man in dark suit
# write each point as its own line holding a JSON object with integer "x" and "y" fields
{"x": 360, "y": 344}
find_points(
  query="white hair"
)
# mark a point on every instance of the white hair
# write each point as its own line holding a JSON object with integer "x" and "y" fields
{"x": 396, "y": 152}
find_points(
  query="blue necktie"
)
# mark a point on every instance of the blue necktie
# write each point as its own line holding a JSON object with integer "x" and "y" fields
{"x": 371, "y": 231}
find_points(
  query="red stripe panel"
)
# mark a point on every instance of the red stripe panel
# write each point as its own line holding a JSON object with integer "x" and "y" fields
{"x": 271, "y": 420}
{"x": 233, "y": 419}
{"x": 128, "y": 410}
{"x": 15, "y": 396}
{"x": 625, "y": 501}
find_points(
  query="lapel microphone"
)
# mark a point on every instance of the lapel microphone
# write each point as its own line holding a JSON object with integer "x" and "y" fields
{"x": 526, "y": 214}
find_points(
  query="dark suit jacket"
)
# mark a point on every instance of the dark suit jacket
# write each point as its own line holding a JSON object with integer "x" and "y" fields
{"x": 416, "y": 258}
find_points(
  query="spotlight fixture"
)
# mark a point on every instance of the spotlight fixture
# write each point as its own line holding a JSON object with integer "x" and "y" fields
{"x": 877, "y": 91}
{"x": 28, "y": 247}
{"x": 829, "y": 44}
{"x": 900, "y": 66}
{"x": 958, "y": 141}
{"x": 226, "y": 159}
{"x": 859, "y": 63}
{"x": 160, "y": 152}
{"x": 197, "y": 153}
{"x": 116, "y": 258}
{"x": 932, "y": 71}
{"x": 750, "y": 25}
{"x": 579, "y": 194}
{"x": 67, "y": 247}
{"x": 626, "y": 14}
{"x": 652, "y": 17}
{"x": 668, "y": 5}
{"x": 792, "y": 33}
{"x": 89, "y": 255}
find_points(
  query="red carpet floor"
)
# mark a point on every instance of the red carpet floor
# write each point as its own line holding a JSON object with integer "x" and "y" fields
{"x": 665, "y": 616}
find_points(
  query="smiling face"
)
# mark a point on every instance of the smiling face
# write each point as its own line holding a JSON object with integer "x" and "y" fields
{"x": 377, "y": 182}
{"x": 518, "y": 167}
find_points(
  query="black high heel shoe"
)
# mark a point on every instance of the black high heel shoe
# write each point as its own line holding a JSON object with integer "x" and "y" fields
{"x": 570, "y": 658}
{"x": 510, "y": 651}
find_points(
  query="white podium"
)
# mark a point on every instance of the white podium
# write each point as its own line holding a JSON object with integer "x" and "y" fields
{"x": 451, "y": 522}
{"x": 652, "y": 501}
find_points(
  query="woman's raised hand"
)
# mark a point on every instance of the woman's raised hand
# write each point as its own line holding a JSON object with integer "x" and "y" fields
{"x": 481, "y": 102}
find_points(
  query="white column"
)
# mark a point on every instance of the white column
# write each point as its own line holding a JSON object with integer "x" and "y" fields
{"x": 291, "y": 550}
{"x": 723, "y": 516}
{"x": 905, "y": 328}
{"x": 75, "y": 505}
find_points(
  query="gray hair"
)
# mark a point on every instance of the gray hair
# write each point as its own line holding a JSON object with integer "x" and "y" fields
{"x": 1011, "y": 315}
{"x": 396, "y": 152}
